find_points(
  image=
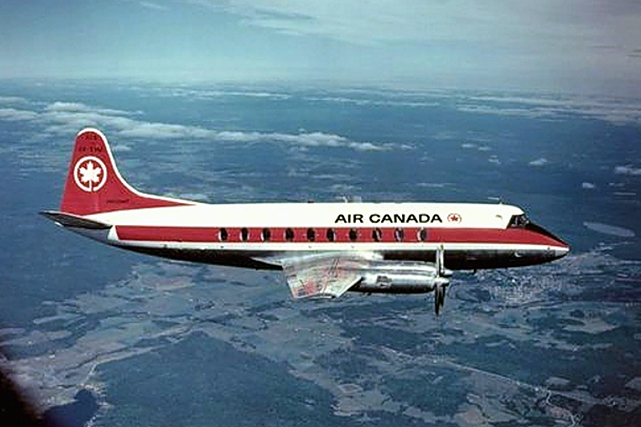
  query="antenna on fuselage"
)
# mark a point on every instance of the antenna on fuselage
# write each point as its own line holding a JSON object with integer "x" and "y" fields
{"x": 351, "y": 199}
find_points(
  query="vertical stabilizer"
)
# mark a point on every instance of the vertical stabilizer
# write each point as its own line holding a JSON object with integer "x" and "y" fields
{"x": 94, "y": 184}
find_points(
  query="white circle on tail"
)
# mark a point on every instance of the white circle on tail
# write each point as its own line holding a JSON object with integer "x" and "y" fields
{"x": 90, "y": 174}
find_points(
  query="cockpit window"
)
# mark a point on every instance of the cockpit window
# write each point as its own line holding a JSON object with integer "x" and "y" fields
{"x": 521, "y": 221}
{"x": 518, "y": 221}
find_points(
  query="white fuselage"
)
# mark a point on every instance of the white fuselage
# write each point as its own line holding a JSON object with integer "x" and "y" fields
{"x": 469, "y": 233}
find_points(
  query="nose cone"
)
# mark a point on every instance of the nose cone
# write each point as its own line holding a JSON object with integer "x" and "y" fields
{"x": 562, "y": 250}
{"x": 558, "y": 247}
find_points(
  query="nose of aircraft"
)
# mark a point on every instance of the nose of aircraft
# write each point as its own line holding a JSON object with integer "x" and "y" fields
{"x": 558, "y": 247}
{"x": 560, "y": 252}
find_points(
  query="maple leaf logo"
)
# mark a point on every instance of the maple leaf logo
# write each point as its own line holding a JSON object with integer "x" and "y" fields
{"x": 90, "y": 174}
{"x": 454, "y": 217}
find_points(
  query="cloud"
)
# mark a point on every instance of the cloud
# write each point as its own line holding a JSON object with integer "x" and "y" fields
{"x": 471, "y": 145}
{"x": 141, "y": 129}
{"x": 365, "y": 101}
{"x": 12, "y": 100}
{"x": 614, "y": 110}
{"x": 627, "y": 170}
{"x": 248, "y": 94}
{"x": 503, "y": 111}
{"x": 612, "y": 230}
{"x": 77, "y": 106}
{"x": 11, "y": 114}
{"x": 148, "y": 130}
{"x": 539, "y": 162}
{"x": 588, "y": 186}
{"x": 153, "y": 6}
{"x": 210, "y": 93}
{"x": 120, "y": 148}
{"x": 64, "y": 118}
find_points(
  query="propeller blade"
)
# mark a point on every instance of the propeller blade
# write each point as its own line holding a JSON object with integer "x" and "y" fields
{"x": 441, "y": 281}
{"x": 439, "y": 298}
{"x": 440, "y": 259}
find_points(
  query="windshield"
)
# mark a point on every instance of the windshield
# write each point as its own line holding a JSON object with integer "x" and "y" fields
{"x": 518, "y": 221}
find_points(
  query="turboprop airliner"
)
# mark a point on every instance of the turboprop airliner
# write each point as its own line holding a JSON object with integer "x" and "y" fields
{"x": 324, "y": 249}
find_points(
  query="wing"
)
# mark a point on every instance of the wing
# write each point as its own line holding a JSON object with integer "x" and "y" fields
{"x": 328, "y": 276}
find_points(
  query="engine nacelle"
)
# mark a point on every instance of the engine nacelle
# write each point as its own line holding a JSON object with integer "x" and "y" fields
{"x": 404, "y": 277}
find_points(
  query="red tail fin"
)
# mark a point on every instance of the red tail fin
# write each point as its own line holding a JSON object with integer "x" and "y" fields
{"x": 94, "y": 184}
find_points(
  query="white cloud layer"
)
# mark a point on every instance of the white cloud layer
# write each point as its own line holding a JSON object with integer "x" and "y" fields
{"x": 627, "y": 170}
{"x": 614, "y": 110}
{"x": 69, "y": 117}
{"x": 612, "y": 230}
{"x": 12, "y": 100}
{"x": 153, "y": 6}
{"x": 539, "y": 162}
{"x": 13, "y": 114}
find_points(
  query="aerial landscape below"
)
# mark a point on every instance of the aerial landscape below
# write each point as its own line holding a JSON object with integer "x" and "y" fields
{"x": 93, "y": 334}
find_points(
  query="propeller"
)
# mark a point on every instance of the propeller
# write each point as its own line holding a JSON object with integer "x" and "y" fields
{"x": 441, "y": 281}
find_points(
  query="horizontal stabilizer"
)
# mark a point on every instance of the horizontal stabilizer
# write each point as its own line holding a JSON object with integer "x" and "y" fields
{"x": 69, "y": 220}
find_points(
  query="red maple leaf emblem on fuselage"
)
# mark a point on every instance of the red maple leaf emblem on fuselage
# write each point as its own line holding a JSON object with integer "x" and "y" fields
{"x": 454, "y": 217}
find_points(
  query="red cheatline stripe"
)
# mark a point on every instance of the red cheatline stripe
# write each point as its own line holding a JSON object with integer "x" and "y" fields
{"x": 342, "y": 235}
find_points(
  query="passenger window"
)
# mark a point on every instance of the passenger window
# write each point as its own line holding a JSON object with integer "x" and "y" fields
{"x": 289, "y": 234}
{"x": 353, "y": 234}
{"x": 422, "y": 235}
{"x": 398, "y": 234}
{"x": 377, "y": 235}
{"x": 311, "y": 234}
{"x": 331, "y": 234}
{"x": 266, "y": 234}
{"x": 222, "y": 235}
{"x": 244, "y": 234}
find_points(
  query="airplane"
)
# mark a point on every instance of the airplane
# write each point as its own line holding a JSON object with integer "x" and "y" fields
{"x": 324, "y": 249}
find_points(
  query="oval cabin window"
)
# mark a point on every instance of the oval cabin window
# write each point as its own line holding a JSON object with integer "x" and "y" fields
{"x": 265, "y": 234}
{"x": 222, "y": 235}
{"x": 331, "y": 234}
{"x": 311, "y": 234}
{"x": 244, "y": 234}
{"x": 399, "y": 234}
{"x": 377, "y": 235}
{"x": 289, "y": 234}
{"x": 353, "y": 234}
{"x": 422, "y": 235}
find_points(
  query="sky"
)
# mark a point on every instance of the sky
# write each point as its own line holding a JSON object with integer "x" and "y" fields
{"x": 572, "y": 46}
